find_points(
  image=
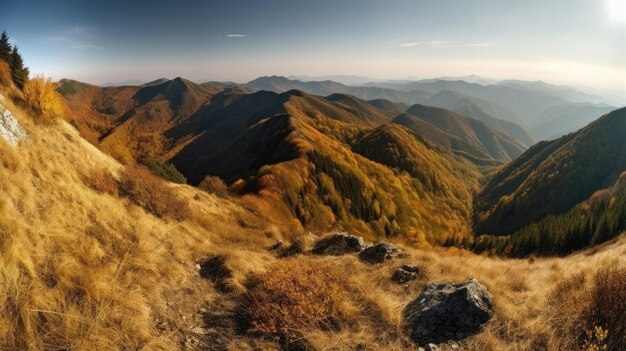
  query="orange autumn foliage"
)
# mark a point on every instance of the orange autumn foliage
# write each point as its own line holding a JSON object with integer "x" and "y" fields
{"x": 41, "y": 95}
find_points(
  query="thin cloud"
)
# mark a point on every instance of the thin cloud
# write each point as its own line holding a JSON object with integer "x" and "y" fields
{"x": 75, "y": 38}
{"x": 236, "y": 35}
{"x": 73, "y": 43}
{"x": 410, "y": 44}
{"x": 444, "y": 44}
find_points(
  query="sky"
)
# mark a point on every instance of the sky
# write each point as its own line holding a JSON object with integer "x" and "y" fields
{"x": 574, "y": 42}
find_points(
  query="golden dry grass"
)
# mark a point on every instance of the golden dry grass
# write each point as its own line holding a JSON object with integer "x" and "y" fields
{"x": 152, "y": 193}
{"x": 82, "y": 268}
{"x": 539, "y": 303}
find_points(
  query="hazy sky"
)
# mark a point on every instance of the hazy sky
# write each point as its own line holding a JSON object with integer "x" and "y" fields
{"x": 579, "y": 42}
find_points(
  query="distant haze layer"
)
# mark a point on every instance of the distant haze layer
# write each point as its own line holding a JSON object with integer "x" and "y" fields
{"x": 98, "y": 42}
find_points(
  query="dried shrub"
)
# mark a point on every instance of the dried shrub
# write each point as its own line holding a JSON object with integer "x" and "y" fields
{"x": 605, "y": 317}
{"x": 102, "y": 182}
{"x": 41, "y": 96}
{"x": 296, "y": 295}
{"x": 214, "y": 185}
{"x": 5, "y": 74}
{"x": 152, "y": 193}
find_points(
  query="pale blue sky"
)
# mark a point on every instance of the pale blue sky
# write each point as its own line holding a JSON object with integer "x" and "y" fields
{"x": 579, "y": 42}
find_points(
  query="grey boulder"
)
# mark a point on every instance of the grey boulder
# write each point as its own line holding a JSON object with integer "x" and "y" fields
{"x": 445, "y": 312}
{"x": 380, "y": 253}
{"x": 339, "y": 244}
{"x": 405, "y": 274}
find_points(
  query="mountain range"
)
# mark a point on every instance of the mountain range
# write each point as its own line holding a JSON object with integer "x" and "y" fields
{"x": 336, "y": 160}
{"x": 525, "y": 104}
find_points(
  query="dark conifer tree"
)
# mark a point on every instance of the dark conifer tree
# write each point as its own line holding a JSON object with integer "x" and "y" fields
{"x": 5, "y": 48}
{"x": 19, "y": 73}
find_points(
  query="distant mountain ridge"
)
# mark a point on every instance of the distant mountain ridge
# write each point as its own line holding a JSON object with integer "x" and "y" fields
{"x": 324, "y": 88}
{"x": 561, "y": 120}
{"x": 479, "y": 109}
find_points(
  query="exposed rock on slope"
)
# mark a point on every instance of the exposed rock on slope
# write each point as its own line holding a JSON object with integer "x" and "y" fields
{"x": 405, "y": 274}
{"x": 339, "y": 244}
{"x": 380, "y": 253}
{"x": 10, "y": 129}
{"x": 444, "y": 312}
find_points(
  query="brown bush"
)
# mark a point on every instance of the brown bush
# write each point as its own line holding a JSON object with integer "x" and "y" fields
{"x": 103, "y": 182}
{"x": 296, "y": 295}
{"x": 41, "y": 96}
{"x": 605, "y": 317}
{"x": 152, "y": 193}
{"x": 5, "y": 74}
{"x": 214, "y": 185}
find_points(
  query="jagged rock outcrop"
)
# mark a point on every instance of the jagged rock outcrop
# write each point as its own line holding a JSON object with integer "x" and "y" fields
{"x": 379, "y": 253}
{"x": 339, "y": 244}
{"x": 444, "y": 312}
{"x": 405, "y": 274}
{"x": 10, "y": 129}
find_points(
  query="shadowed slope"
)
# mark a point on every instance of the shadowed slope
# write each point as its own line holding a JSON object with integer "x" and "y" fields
{"x": 552, "y": 177}
{"x": 495, "y": 143}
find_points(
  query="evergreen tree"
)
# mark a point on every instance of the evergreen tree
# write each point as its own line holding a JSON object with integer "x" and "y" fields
{"x": 5, "y": 48}
{"x": 19, "y": 73}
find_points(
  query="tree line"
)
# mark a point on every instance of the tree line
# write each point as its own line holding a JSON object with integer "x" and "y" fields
{"x": 10, "y": 54}
{"x": 584, "y": 226}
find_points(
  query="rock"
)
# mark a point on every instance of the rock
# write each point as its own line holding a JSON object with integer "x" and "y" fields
{"x": 405, "y": 274}
{"x": 10, "y": 129}
{"x": 432, "y": 347}
{"x": 380, "y": 253}
{"x": 445, "y": 312}
{"x": 339, "y": 244}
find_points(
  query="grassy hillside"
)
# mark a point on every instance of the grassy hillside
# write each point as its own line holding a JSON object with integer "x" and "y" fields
{"x": 80, "y": 268}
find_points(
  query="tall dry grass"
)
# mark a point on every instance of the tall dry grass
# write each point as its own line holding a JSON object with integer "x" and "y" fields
{"x": 85, "y": 269}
